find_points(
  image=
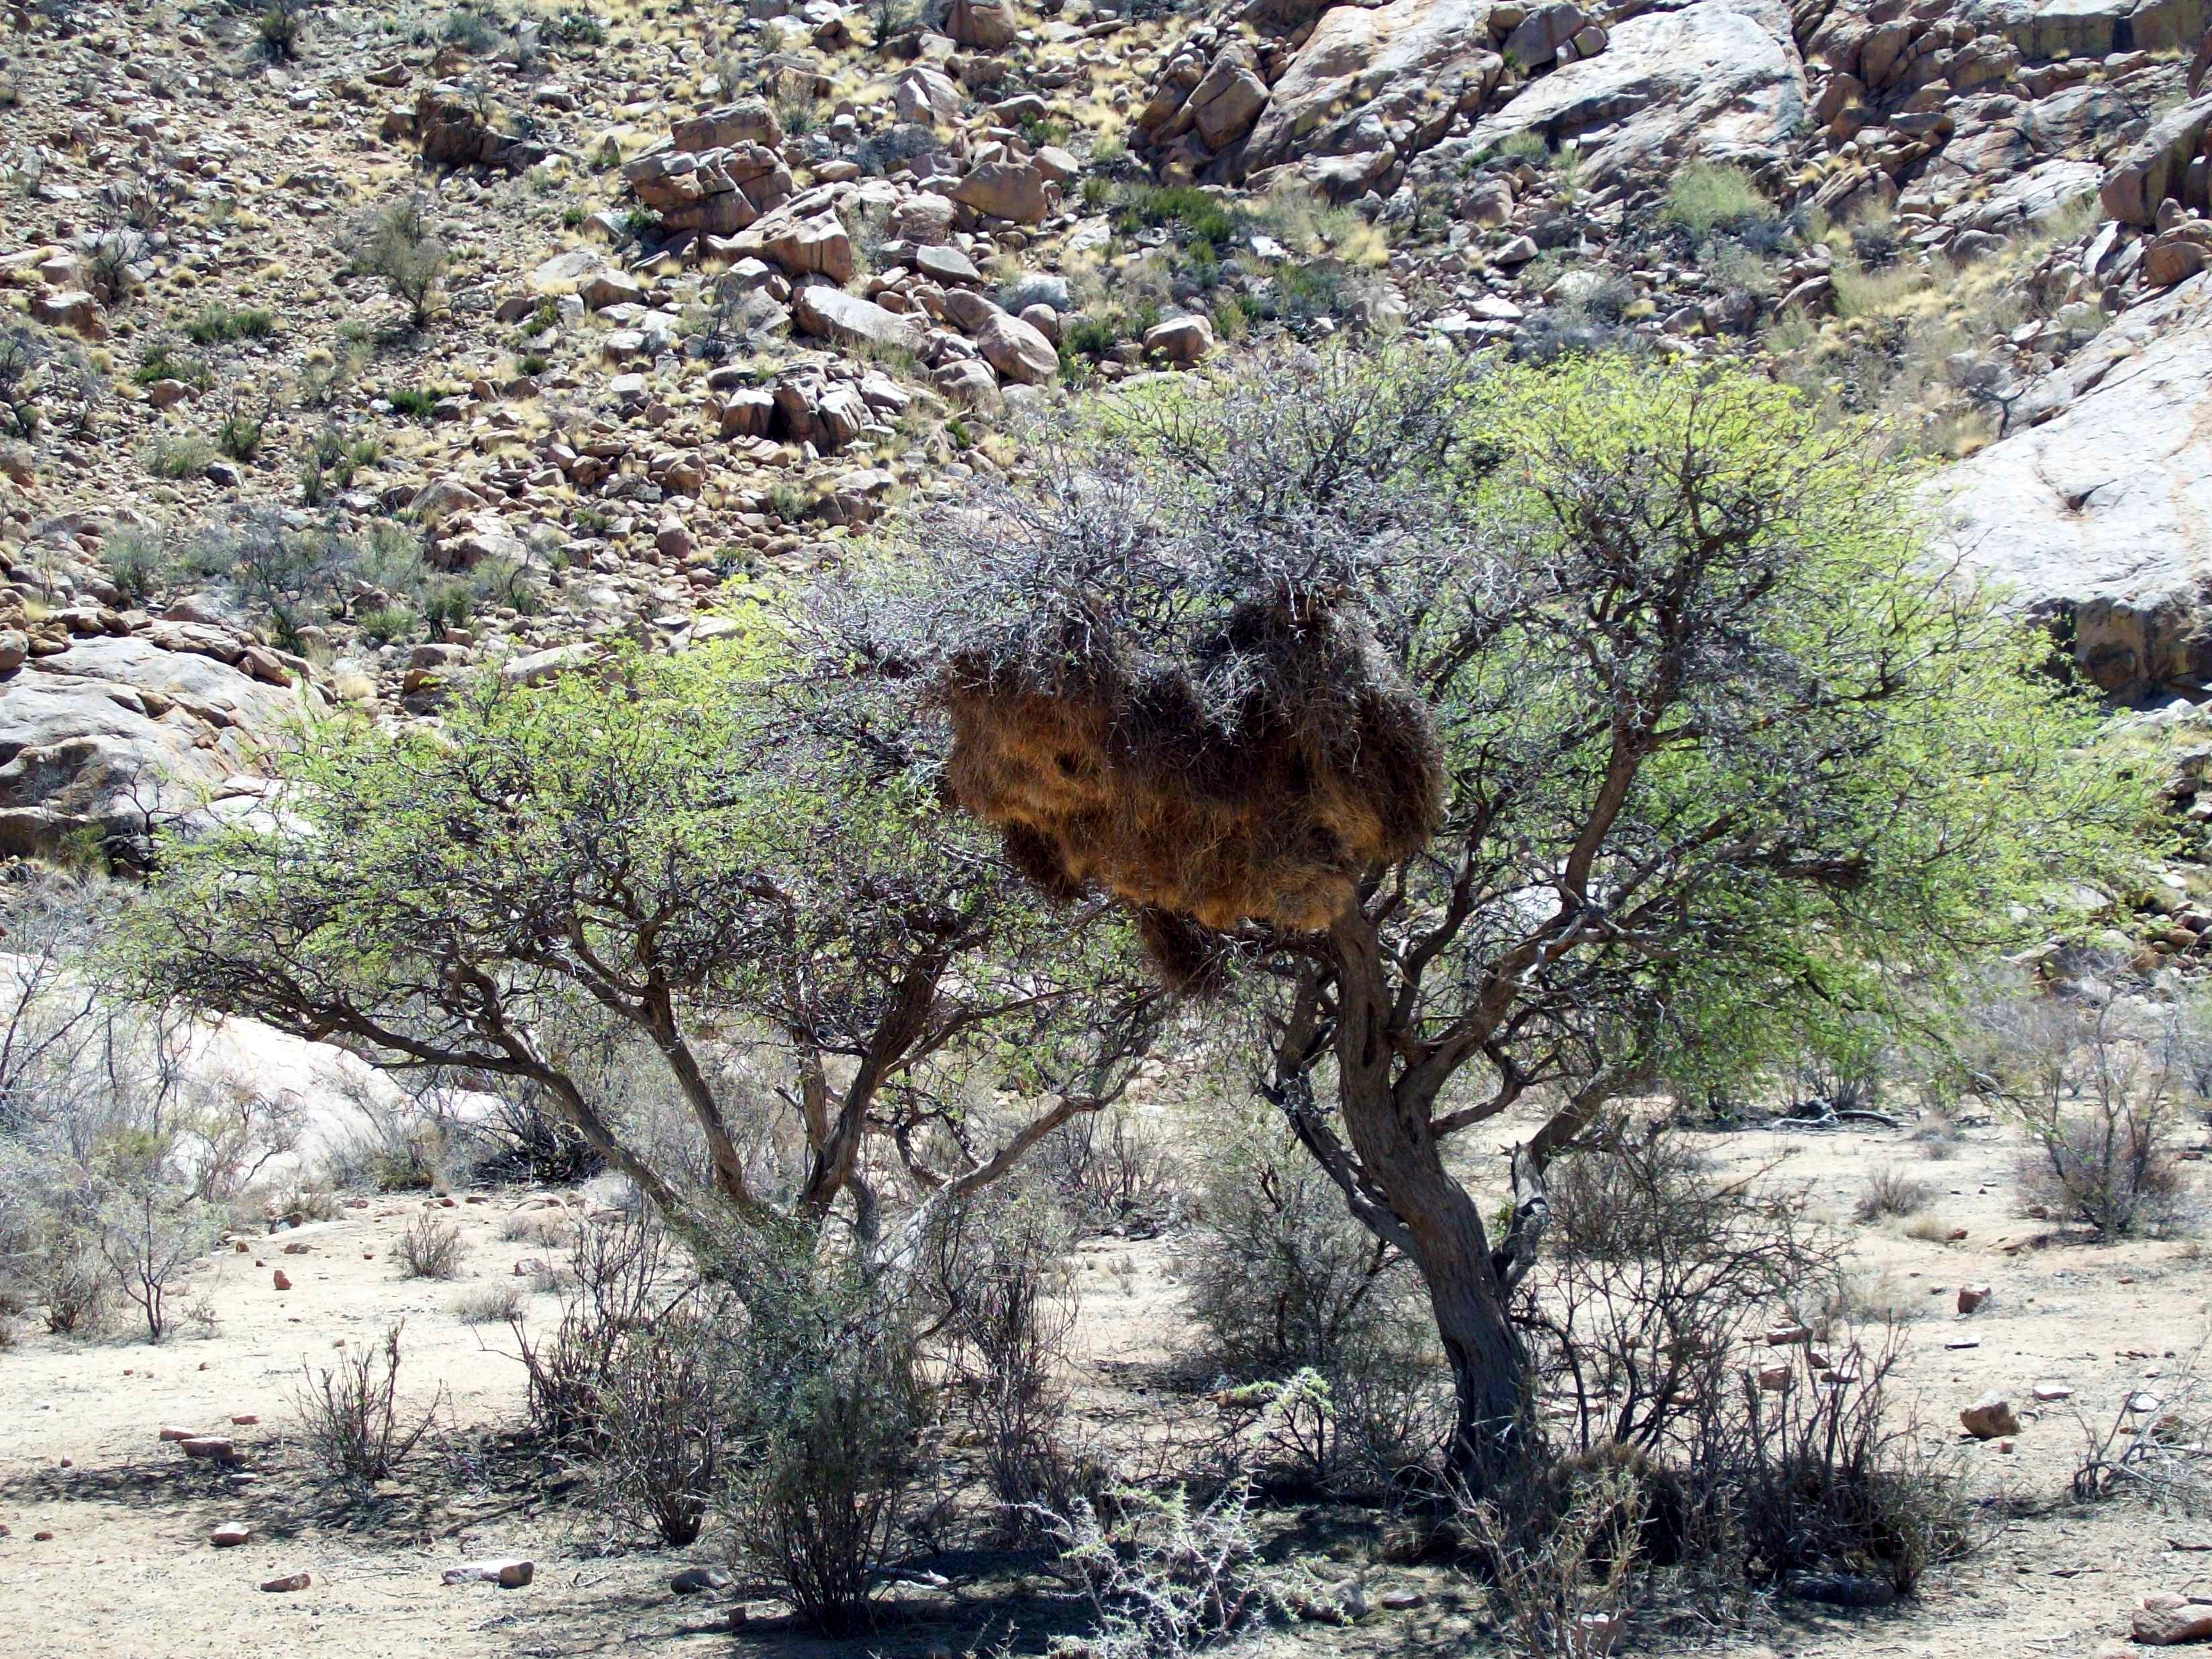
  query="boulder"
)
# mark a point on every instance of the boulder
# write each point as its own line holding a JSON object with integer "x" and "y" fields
{"x": 818, "y": 243}
{"x": 1223, "y": 107}
{"x": 982, "y": 25}
{"x": 927, "y": 96}
{"x": 2154, "y": 165}
{"x": 1716, "y": 79}
{"x": 107, "y": 734}
{"x": 454, "y": 130}
{"x": 830, "y": 314}
{"x": 1383, "y": 82}
{"x": 1005, "y": 190}
{"x": 1536, "y": 40}
{"x": 2098, "y": 517}
{"x": 748, "y": 121}
{"x": 2166, "y": 1621}
{"x": 1017, "y": 349}
{"x": 1181, "y": 339}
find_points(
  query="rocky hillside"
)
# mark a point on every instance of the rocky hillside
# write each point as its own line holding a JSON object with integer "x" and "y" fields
{"x": 346, "y": 348}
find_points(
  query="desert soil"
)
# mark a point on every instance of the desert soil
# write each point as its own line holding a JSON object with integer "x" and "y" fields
{"x": 128, "y": 1567}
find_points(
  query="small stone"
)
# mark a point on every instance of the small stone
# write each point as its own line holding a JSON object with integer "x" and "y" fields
{"x": 2051, "y": 1393}
{"x": 1788, "y": 1336}
{"x": 244, "y": 1420}
{"x": 693, "y": 1580}
{"x": 230, "y": 1535}
{"x": 1989, "y": 1417}
{"x": 282, "y": 1282}
{"x": 1401, "y": 1600}
{"x": 2164, "y": 1625}
{"x": 1971, "y": 1297}
{"x": 1774, "y": 1378}
{"x": 42, "y": 1537}
{"x": 510, "y": 1574}
{"x": 289, "y": 1583}
{"x": 211, "y": 1448}
{"x": 178, "y": 1434}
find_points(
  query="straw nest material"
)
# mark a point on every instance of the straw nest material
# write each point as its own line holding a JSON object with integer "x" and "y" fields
{"x": 1259, "y": 779}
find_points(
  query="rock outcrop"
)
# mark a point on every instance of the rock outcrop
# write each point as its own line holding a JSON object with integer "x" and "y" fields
{"x": 2098, "y": 518}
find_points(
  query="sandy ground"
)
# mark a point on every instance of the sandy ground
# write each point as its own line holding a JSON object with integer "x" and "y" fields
{"x": 129, "y": 1568}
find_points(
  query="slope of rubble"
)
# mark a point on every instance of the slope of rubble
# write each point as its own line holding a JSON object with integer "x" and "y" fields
{"x": 716, "y": 291}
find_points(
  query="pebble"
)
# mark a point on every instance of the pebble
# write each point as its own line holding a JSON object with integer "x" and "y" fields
{"x": 692, "y": 1580}
{"x": 289, "y": 1583}
{"x": 1971, "y": 1297}
{"x": 230, "y": 1535}
{"x": 284, "y": 1283}
{"x": 509, "y": 1574}
{"x": 1401, "y": 1600}
{"x": 1989, "y": 1418}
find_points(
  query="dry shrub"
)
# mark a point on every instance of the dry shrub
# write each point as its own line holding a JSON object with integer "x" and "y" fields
{"x": 2112, "y": 1167}
{"x": 2101, "y": 1088}
{"x": 431, "y": 1248}
{"x": 1290, "y": 1288}
{"x": 1111, "y": 1169}
{"x": 621, "y": 1276}
{"x": 829, "y": 1409}
{"x": 1165, "y": 1577}
{"x": 998, "y": 1269}
{"x": 1891, "y": 1191}
{"x": 490, "y": 1304}
{"x": 1563, "y": 1582}
{"x": 1831, "y": 1494}
{"x": 352, "y": 1417}
{"x": 662, "y": 1424}
{"x": 2153, "y": 1445}
{"x": 1656, "y": 1277}
{"x": 76, "y": 1292}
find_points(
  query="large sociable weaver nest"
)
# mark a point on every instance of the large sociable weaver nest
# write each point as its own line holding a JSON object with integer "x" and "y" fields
{"x": 1255, "y": 779}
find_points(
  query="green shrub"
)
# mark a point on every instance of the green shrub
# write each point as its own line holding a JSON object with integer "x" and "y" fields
{"x": 418, "y": 402}
{"x": 179, "y": 456}
{"x": 1198, "y": 215}
{"x": 162, "y": 361}
{"x": 222, "y": 325}
{"x": 1706, "y": 197}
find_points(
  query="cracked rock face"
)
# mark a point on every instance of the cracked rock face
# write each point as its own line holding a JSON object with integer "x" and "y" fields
{"x": 2100, "y": 516}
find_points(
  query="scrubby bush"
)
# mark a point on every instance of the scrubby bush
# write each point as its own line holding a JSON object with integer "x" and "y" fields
{"x": 351, "y": 1415}
{"x": 997, "y": 1271}
{"x": 1164, "y": 1576}
{"x": 399, "y": 244}
{"x": 1706, "y": 197}
{"x": 663, "y": 1421}
{"x": 431, "y": 1248}
{"x": 831, "y": 1409}
{"x": 225, "y": 325}
{"x": 2100, "y": 1088}
{"x": 1891, "y": 1191}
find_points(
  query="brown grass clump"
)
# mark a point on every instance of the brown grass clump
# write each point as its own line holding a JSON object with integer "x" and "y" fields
{"x": 1259, "y": 783}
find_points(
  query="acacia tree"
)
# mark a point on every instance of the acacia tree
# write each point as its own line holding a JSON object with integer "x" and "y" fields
{"x": 708, "y": 853}
{"x": 1504, "y": 741}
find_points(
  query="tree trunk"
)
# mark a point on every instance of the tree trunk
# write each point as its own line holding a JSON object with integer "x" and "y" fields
{"x": 1402, "y": 1159}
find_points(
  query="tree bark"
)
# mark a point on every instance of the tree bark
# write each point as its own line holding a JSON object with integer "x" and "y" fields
{"x": 1399, "y": 1152}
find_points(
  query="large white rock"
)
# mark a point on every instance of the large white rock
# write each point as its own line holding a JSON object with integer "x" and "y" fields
{"x": 1718, "y": 79}
{"x": 1383, "y": 80}
{"x": 2102, "y": 515}
{"x": 115, "y": 730}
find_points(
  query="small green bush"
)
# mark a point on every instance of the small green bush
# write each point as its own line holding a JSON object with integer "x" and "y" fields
{"x": 224, "y": 326}
{"x": 179, "y": 456}
{"x": 1707, "y": 197}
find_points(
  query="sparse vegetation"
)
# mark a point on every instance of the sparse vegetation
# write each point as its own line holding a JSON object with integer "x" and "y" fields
{"x": 398, "y": 245}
